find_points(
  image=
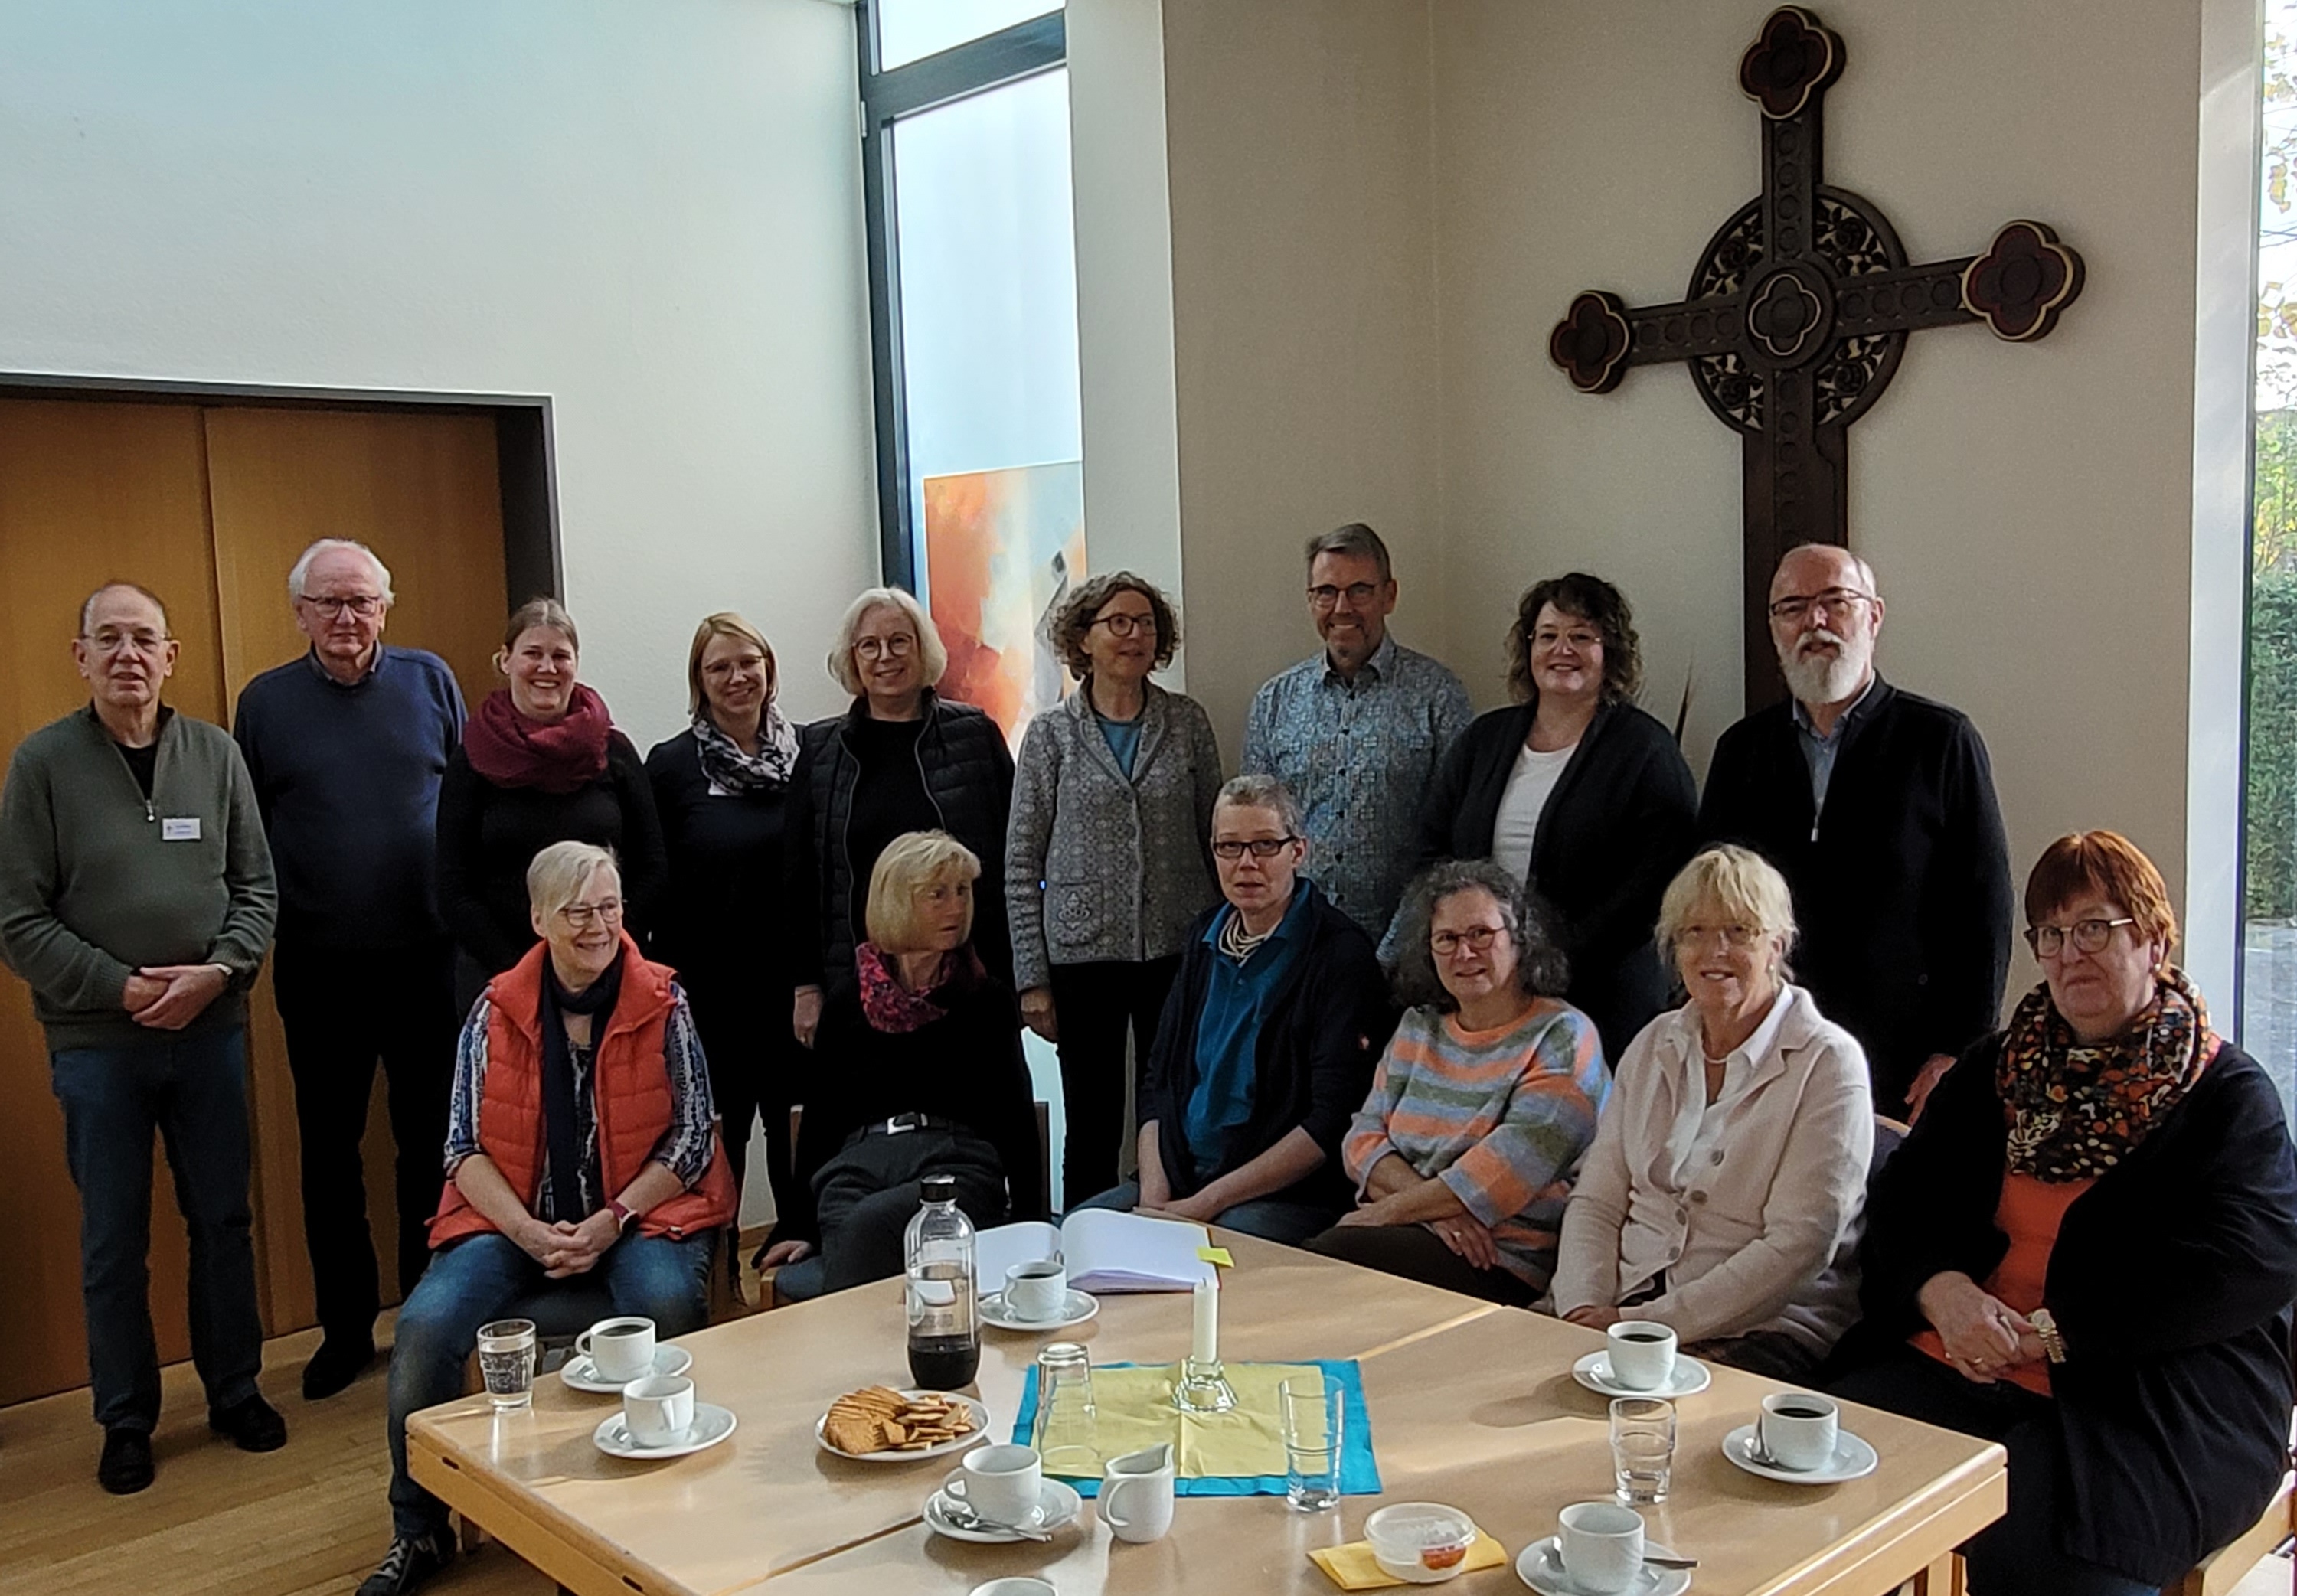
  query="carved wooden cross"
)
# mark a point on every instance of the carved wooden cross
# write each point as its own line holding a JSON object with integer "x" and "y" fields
{"x": 1798, "y": 313}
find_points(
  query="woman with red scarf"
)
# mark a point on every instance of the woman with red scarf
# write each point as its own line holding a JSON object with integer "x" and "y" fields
{"x": 540, "y": 763}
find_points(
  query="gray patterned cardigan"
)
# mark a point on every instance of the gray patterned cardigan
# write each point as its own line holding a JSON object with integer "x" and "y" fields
{"x": 1099, "y": 867}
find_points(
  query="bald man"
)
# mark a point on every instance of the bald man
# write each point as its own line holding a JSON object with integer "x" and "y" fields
{"x": 1877, "y": 806}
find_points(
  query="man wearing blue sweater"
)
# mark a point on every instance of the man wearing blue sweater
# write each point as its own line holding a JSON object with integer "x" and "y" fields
{"x": 346, "y": 746}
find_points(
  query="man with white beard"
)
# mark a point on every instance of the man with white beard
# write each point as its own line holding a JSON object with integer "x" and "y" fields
{"x": 1878, "y": 807}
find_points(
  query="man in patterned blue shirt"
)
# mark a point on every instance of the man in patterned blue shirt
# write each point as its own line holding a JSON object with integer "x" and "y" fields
{"x": 1355, "y": 733}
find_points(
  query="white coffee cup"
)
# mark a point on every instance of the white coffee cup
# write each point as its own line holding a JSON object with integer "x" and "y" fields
{"x": 1016, "y": 1585}
{"x": 1602, "y": 1545}
{"x": 1003, "y": 1484}
{"x": 1136, "y": 1493}
{"x": 1799, "y": 1427}
{"x": 620, "y": 1350}
{"x": 658, "y": 1410}
{"x": 1037, "y": 1291}
{"x": 1641, "y": 1353}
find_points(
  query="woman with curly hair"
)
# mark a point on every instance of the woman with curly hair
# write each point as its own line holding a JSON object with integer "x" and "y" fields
{"x": 1107, "y": 855}
{"x": 1484, "y": 1104}
{"x": 1578, "y": 794}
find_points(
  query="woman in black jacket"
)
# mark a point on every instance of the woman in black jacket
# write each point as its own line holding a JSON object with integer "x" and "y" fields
{"x": 541, "y": 763}
{"x": 1578, "y": 794}
{"x": 2086, "y": 1250}
{"x": 901, "y": 759}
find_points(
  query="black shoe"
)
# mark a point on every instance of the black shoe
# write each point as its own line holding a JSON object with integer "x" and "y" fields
{"x": 410, "y": 1561}
{"x": 334, "y": 1366}
{"x": 253, "y": 1425}
{"x": 126, "y": 1467}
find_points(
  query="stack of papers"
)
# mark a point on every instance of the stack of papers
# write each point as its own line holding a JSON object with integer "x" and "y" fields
{"x": 1105, "y": 1251}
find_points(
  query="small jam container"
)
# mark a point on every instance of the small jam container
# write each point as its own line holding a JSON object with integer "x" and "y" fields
{"x": 1424, "y": 1542}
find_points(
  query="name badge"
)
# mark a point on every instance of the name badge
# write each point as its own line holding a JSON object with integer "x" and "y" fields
{"x": 185, "y": 829}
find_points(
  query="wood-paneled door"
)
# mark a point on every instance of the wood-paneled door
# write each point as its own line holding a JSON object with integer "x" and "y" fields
{"x": 208, "y": 507}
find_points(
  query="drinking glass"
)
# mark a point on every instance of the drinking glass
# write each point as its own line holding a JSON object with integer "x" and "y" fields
{"x": 1642, "y": 1447}
{"x": 507, "y": 1351}
{"x": 1063, "y": 1434}
{"x": 1311, "y": 1409}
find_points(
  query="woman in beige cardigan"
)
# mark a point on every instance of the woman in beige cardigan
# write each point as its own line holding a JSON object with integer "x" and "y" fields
{"x": 1722, "y": 1195}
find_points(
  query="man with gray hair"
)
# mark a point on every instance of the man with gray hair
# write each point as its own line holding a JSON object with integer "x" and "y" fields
{"x": 1878, "y": 807}
{"x": 346, "y": 746}
{"x": 1357, "y": 732}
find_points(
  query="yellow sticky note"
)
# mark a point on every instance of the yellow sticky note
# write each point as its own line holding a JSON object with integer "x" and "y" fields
{"x": 1217, "y": 1255}
{"x": 1353, "y": 1567}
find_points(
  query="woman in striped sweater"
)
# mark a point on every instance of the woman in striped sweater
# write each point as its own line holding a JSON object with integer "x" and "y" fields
{"x": 1484, "y": 1103}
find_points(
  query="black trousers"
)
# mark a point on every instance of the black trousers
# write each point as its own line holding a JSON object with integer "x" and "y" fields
{"x": 1416, "y": 1253}
{"x": 753, "y": 1069}
{"x": 1096, "y": 1005}
{"x": 344, "y": 1011}
{"x": 866, "y": 1196}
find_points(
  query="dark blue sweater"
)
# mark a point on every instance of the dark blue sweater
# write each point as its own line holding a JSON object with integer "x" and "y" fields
{"x": 348, "y": 780}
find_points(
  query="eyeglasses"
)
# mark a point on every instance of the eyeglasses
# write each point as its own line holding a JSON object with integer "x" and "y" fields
{"x": 362, "y": 605}
{"x": 1124, "y": 626}
{"x": 1261, "y": 847}
{"x": 1839, "y": 603}
{"x": 1324, "y": 595}
{"x": 607, "y": 911}
{"x": 897, "y": 646}
{"x": 1732, "y": 936}
{"x": 1476, "y": 937}
{"x": 109, "y": 641}
{"x": 1581, "y": 640}
{"x": 2087, "y": 936}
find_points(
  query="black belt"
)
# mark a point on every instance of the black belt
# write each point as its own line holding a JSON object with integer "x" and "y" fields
{"x": 903, "y": 1122}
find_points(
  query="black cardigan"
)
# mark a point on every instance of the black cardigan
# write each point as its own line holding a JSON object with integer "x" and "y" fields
{"x": 489, "y": 834}
{"x": 966, "y": 1067}
{"x": 721, "y": 921}
{"x": 2171, "y": 1280}
{"x": 1902, "y": 891}
{"x": 969, "y": 775}
{"x": 1616, "y": 829}
{"x": 1324, "y": 1031}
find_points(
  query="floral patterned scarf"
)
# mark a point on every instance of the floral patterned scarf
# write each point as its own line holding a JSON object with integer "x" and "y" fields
{"x": 2075, "y": 1110}
{"x": 892, "y": 1008}
{"x": 734, "y": 771}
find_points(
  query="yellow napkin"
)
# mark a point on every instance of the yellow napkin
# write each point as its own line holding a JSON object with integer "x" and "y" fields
{"x": 1353, "y": 1567}
{"x": 1134, "y": 1408}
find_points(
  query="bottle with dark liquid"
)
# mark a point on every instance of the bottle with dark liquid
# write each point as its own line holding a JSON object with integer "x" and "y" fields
{"x": 944, "y": 1333}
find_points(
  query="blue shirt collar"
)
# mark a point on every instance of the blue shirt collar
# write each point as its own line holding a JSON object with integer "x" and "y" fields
{"x": 1288, "y": 929}
{"x": 1381, "y": 663}
{"x": 1810, "y": 727}
{"x": 373, "y": 669}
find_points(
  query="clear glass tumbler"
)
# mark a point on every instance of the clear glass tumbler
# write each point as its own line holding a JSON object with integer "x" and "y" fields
{"x": 507, "y": 1352}
{"x": 1312, "y": 1413}
{"x": 1063, "y": 1434}
{"x": 1642, "y": 1448}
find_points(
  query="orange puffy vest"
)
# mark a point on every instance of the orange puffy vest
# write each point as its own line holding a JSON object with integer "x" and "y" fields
{"x": 630, "y": 1088}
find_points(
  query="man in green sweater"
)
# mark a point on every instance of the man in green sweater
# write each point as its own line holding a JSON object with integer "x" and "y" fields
{"x": 137, "y": 899}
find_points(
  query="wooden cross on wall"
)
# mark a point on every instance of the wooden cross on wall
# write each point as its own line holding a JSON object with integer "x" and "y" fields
{"x": 1797, "y": 316}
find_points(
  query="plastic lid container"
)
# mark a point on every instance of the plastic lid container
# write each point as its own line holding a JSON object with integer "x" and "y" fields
{"x": 1421, "y": 1542}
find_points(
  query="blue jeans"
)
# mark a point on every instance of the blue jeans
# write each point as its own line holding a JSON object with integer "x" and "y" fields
{"x": 1272, "y": 1218}
{"x": 478, "y": 1280}
{"x": 191, "y": 1089}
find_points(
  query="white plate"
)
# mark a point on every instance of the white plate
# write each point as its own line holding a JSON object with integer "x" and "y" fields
{"x": 1853, "y": 1460}
{"x": 578, "y": 1373}
{"x": 711, "y": 1423}
{"x": 1689, "y": 1378}
{"x": 1057, "y": 1504}
{"x": 972, "y": 1437}
{"x": 1541, "y": 1567}
{"x": 1081, "y": 1307}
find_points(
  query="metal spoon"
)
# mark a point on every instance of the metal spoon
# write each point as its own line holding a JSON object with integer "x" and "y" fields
{"x": 964, "y": 1516}
{"x": 1670, "y": 1562}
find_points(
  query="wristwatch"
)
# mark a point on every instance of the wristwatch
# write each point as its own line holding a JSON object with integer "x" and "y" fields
{"x": 2047, "y": 1328}
{"x": 622, "y": 1212}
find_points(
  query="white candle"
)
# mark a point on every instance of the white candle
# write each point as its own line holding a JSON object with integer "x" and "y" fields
{"x": 1205, "y": 1347}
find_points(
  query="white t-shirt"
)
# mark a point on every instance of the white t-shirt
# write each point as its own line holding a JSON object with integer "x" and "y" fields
{"x": 1528, "y": 784}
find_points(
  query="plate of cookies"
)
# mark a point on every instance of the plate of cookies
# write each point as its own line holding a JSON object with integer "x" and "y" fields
{"x": 881, "y": 1424}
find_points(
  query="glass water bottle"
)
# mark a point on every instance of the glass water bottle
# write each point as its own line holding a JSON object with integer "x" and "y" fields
{"x": 944, "y": 1333}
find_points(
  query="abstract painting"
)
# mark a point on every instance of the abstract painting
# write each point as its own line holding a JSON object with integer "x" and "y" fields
{"x": 1002, "y": 550}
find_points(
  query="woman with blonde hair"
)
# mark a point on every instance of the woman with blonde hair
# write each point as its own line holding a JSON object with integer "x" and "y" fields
{"x": 901, "y": 759}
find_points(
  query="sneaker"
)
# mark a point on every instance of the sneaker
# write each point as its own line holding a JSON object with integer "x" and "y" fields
{"x": 339, "y": 1361}
{"x": 253, "y": 1425}
{"x": 126, "y": 1467}
{"x": 411, "y": 1560}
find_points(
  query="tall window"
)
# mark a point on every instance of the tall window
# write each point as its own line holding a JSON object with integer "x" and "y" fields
{"x": 974, "y": 325}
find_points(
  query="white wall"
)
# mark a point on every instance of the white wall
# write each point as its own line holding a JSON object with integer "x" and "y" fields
{"x": 647, "y": 209}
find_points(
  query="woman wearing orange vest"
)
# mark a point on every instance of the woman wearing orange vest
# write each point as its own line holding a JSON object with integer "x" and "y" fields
{"x": 582, "y": 1140}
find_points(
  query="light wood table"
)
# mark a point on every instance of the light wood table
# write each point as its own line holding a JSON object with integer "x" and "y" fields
{"x": 1469, "y": 1405}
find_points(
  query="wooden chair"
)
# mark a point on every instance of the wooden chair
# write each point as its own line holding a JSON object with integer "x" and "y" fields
{"x": 2226, "y": 1568}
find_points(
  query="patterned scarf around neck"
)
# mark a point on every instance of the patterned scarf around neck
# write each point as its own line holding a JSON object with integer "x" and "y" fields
{"x": 731, "y": 770}
{"x": 892, "y": 1008}
{"x": 512, "y": 751}
{"x": 2077, "y": 1110}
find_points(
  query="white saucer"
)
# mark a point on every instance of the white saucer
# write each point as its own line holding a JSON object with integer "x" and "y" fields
{"x": 711, "y": 1423}
{"x": 1056, "y": 1504}
{"x": 1853, "y": 1458}
{"x": 1541, "y": 1567}
{"x": 1080, "y": 1306}
{"x": 972, "y": 1437}
{"x": 578, "y": 1373}
{"x": 1689, "y": 1378}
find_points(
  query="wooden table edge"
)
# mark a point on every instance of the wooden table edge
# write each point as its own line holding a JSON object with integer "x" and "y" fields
{"x": 1956, "y": 1506}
